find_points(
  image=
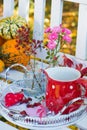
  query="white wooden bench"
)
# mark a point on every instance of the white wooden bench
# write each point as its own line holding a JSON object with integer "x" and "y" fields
{"x": 56, "y": 19}
{"x": 4, "y": 126}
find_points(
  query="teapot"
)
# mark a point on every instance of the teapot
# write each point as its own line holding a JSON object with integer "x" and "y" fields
{"x": 63, "y": 85}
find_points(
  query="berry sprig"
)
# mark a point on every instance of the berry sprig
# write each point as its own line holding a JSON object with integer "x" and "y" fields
{"x": 23, "y": 39}
{"x": 23, "y": 113}
{"x": 25, "y": 100}
{"x": 33, "y": 105}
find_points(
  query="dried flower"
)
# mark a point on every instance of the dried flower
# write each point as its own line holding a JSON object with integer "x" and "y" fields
{"x": 23, "y": 39}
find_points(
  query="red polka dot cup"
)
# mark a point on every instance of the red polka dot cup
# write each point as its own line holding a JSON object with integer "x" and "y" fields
{"x": 63, "y": 85}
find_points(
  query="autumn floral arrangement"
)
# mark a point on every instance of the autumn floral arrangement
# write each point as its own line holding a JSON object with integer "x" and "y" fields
{"x": 55, "y": 39}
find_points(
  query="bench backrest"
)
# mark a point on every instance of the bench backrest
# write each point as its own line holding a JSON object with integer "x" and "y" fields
{"x": 56, "y": 18}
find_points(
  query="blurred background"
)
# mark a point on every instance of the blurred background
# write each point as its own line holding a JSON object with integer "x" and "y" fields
{"x": 70, "y": 18}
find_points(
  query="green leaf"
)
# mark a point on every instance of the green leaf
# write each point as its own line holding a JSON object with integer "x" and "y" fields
{"x": 47, "y": 57}
{"x": 48, "y": 52}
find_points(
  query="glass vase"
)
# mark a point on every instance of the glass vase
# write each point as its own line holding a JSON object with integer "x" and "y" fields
{"x": 35, "y": 80}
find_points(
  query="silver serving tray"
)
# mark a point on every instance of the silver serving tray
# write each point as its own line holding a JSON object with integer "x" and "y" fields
{"x": 50, "y": 120}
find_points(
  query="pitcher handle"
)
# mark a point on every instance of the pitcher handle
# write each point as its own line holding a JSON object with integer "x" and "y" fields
{"x": 14, "y": 65}
{"x": 70, "y": 103}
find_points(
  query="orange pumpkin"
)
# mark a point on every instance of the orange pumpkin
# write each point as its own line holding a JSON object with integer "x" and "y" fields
{"x": 2, "y": 66}
{"x": 11, "y": 55}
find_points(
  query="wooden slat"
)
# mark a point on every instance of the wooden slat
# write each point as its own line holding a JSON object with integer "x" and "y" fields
{"x": 78, "y": 1}
{"x": 82, "y": 123}
{"x": 39, "y": 12}
{"x": 23, "y": 9}
{"x": 4, "y": 126}
{"x": 8, "y": 8}
{"x": 56, "y": 12}
{"x": 81, "y": 46}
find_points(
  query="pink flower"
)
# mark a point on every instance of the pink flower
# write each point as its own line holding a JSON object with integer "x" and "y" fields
{"x": 47, "y": 30}
{"x": 57, "y": 29}
{"x": 53, "y": 36}
{"x": 67, "y": 38}
{"x": 57, "y": 37}
{"x": 66, "y": 31}
{"x": 51, "y": 45}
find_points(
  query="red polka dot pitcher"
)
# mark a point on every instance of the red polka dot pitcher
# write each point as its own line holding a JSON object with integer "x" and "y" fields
{"x": 63, "y": 85}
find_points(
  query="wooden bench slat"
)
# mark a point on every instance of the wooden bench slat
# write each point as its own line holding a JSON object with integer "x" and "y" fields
{"x": 23, "y": 8}
{"x": 81, "y": 45}
{"x": 56, "y": 12}
{"x": 4, "y": 126}
{"x": 8, "y": 8}
{"x": 78, "y": 1}
{"x": 39, "y": 12}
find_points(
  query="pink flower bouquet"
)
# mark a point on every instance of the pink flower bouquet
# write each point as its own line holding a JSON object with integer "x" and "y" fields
{"x": 56, "y": 38}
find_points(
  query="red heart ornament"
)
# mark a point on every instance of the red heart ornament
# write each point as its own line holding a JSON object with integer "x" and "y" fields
{"x": 13, "y": 98}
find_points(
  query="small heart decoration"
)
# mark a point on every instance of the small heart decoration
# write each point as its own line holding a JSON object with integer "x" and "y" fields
{"x": 13, "y": 98}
